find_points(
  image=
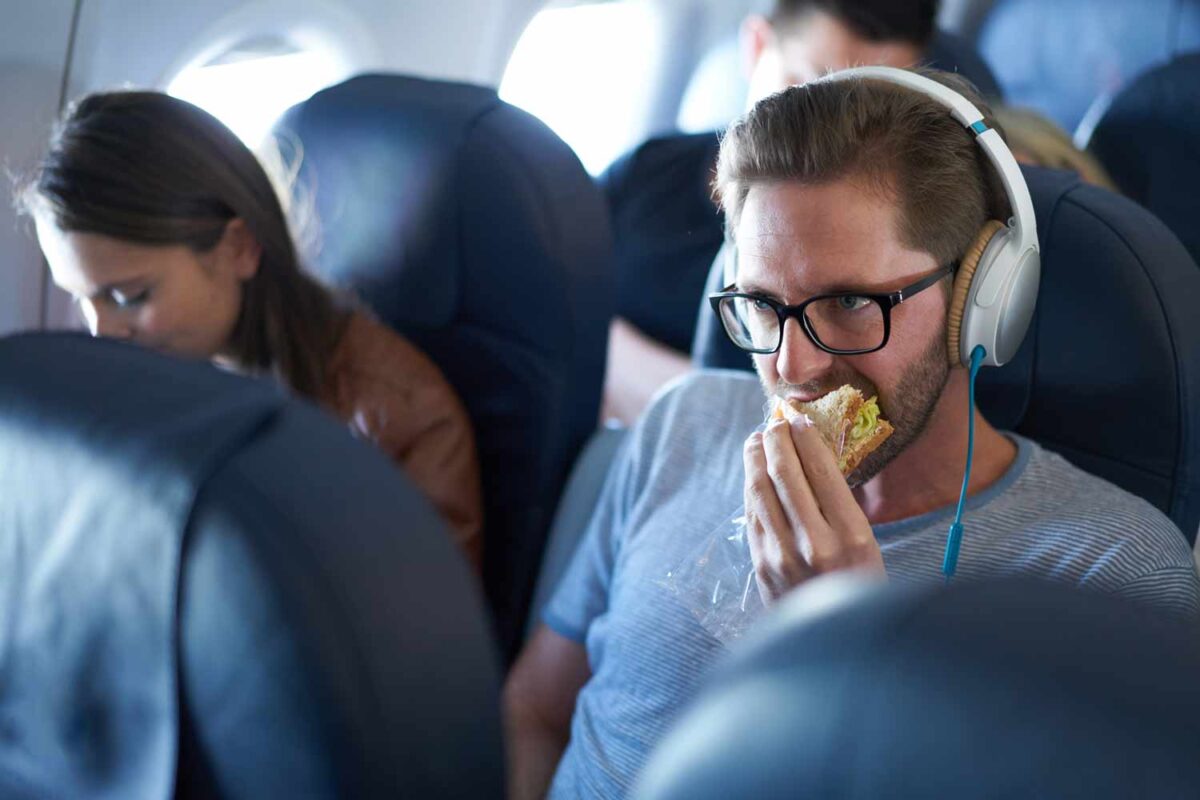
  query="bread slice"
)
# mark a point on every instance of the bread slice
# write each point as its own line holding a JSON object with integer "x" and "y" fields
{"x": 849, "y": 424}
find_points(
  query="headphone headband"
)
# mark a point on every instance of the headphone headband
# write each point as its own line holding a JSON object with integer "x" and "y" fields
{"x": 1023, "y": 222}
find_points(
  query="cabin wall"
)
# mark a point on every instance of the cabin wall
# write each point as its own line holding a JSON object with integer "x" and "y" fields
{"x": 33, "y": 55}
{"x": 145, "y": 43}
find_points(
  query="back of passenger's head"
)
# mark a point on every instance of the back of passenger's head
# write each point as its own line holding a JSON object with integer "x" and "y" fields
{"x": 897, "y": 141}
{"x": 1034, "y": 139}
{"x": 148, "y": 168}
{"x": 874, "y": 20}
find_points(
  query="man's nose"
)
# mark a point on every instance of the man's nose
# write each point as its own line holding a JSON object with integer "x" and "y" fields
{"x": 105, "y": 322}
{"x": 799, "y": 360}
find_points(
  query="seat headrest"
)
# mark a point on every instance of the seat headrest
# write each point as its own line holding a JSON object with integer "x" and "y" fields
{"x": 215, "y": 590}
{"x": 1109, "y": 370}
{"x": 1149, "y": 141}
{"x": 1069, "y": 57}
{"x": 952, "y": 53}
{"x": 469, "y": 226}
{"x": 1107, "y": 374}
{"x": 1007, "y": 689}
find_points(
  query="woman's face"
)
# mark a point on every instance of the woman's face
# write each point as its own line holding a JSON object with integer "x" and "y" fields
{"x": 168, "y": 298}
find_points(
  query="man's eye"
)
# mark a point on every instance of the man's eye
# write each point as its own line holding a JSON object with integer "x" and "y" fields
{"x": 123, "y": 299}
{"x": 850, "y": 302}
{"x": 761, "y": 305}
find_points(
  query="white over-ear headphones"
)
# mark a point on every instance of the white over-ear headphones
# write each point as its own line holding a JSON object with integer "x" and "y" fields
{"x": 995, "y": 286}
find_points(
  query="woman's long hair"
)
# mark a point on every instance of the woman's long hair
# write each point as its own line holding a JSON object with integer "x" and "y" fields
{"x": 149, "y": 168}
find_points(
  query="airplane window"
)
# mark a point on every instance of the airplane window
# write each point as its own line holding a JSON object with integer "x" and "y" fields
{"x": 585, "y": 71}
{"x": 249, "y": 87}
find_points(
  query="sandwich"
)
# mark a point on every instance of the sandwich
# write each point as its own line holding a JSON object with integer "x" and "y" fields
{"x": 849, "y": 424}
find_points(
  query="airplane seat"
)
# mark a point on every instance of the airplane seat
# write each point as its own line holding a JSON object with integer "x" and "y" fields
{"x": 212, "y": 590}
{"x": 1109, "y": 372}
{"x": 977, "y": 690}
{"x": 470, "y": 227}
{"x": 1068, "y": 57}
{"x": 1149, "y": 141}
{"x": 951, "y": 52}
{"x": 574, "y": 512}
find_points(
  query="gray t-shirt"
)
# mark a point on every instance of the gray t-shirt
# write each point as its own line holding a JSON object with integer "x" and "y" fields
{"x": 679, "y": 477}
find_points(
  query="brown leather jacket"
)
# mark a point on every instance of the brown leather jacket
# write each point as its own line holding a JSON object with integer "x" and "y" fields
{"x": 390, "y": 393}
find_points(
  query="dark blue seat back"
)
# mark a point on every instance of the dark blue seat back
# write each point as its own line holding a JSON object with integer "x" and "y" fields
{"x": 470, "y": 227}
{"x": 979, "y": 691}
{"x": 1110, "y": 370}
{"x": 952, "y": 53}
{"x": 1065, "y": 56}
{"x": 215, "y": 591}
{"x": 1149, "y": 140}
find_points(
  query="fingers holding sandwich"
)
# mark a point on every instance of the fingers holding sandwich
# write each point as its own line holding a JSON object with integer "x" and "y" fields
{"x": 803, "y": 519}
{"x": 828, "y": 485}
{"x": 788, "y": 477}
{"x": 778, "y": 562}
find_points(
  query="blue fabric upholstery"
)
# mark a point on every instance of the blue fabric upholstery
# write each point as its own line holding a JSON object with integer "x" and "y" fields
{"x": 573, "y": 515}
{"x": 1149, "y": 140}
{"x": 979, "y": 691}
{"x": 1062, "y": 57}
{"x": 953, "y": 53}
{"x": 469, "y": 226}
{"x": 1109, "y": 374}
{"x": 196, "y": 564}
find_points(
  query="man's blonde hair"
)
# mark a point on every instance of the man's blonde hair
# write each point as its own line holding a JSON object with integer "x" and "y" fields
{"x": 898, "y": 141}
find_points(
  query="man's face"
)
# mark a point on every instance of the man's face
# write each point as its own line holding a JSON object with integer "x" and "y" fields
{"x": 796, "y": 241}
{"x": 819, "y": 43}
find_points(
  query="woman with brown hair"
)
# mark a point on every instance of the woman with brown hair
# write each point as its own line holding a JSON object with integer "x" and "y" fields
{"x": 168, "y": 233}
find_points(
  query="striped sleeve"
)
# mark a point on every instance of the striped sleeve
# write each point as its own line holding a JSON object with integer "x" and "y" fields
{"x": 1173, "y": 588}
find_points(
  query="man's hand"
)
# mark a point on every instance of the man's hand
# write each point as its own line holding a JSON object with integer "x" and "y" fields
{"x": 801, "y": 517}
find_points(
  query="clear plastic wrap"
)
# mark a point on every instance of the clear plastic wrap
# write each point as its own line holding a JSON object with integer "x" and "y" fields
{"x": 716, "y": 580}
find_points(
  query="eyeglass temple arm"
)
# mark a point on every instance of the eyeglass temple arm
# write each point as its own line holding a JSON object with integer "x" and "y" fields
{"x": 929, "y": 280}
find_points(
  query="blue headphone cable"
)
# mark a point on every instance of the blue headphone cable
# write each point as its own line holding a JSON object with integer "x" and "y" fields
{"x": 954, "y": 537}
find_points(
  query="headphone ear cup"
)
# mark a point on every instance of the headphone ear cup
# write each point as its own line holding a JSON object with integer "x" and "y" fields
{"x": 962, "y": 288}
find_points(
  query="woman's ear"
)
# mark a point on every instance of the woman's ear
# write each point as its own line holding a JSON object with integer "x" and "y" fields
{"x": 242, "y": 250}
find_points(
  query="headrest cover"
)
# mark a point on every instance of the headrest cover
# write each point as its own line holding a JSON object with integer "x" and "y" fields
{"x": 1147, "y": 140}
{"x": 215, "y": 590}
{"x": 101, "y": 456}
{"x": 469, "y": 226}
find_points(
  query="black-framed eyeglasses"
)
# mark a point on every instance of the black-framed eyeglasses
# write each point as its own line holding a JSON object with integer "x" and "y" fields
{"x": 844, "y": 324}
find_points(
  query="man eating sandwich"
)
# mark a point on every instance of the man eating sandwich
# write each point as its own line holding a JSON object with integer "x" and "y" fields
{"x": 849, "y": 425}
{"x": 836, "y": 194}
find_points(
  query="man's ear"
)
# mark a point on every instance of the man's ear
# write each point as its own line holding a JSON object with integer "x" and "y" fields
{"x": 755, "y": 36}
{"x": 241, "y": 248}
